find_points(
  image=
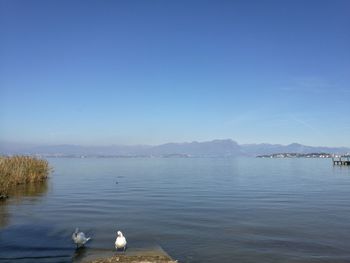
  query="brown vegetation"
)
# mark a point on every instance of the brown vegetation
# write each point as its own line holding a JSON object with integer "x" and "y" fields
{"x": 17, "y": 170}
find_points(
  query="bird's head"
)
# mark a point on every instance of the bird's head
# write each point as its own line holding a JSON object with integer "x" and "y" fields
{"x": 120, "y": 234}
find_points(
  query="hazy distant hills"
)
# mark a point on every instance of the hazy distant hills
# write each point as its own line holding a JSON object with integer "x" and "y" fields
{"x": 215, "y": 148}
{"x": 211, "y": 148}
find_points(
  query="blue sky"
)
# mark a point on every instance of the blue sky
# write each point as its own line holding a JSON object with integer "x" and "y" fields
{"x": 149, "y": 72}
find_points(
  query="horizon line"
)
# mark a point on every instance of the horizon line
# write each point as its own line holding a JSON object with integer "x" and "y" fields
{"x": 34, "y": 144}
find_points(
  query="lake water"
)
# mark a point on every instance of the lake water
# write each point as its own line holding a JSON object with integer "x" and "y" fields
{"x": 196, "y": 209}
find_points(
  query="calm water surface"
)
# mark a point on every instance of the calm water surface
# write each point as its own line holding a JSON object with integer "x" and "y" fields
{"x": 198, "y": 210}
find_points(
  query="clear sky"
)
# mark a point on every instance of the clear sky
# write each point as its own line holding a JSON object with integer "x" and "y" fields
{"x": 149, "y": 72}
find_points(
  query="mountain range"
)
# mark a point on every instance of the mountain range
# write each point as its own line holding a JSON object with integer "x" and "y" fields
{"x": 215, "y": 148}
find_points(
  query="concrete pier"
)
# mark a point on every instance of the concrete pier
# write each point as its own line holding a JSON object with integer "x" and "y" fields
{"x": 342, "y": 160}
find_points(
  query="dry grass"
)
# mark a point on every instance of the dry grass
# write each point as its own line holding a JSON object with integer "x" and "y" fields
{"x": 17, "y": 170}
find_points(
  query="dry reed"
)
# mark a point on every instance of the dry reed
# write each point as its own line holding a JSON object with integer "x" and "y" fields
{"x": 17, "y": 170}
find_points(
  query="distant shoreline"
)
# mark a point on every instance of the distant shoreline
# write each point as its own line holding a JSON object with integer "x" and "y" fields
{"x": 165, "y": 156}
{"x": 214, "y": 148}
{"x": 297, "y": 155}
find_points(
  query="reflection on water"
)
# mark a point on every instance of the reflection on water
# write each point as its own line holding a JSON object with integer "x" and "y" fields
{"x": 31, "y": 192}
{"x": 79, "y": 254}
{"x": 4, "y": 216}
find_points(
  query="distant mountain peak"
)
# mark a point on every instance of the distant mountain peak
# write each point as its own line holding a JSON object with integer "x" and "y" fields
{"x": 295, "y": 144}
{"x": 224, "y": 141}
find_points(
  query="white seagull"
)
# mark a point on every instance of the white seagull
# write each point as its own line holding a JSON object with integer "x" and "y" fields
{"x": 120, "y": 242}
{"x": 79, "y": 238}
